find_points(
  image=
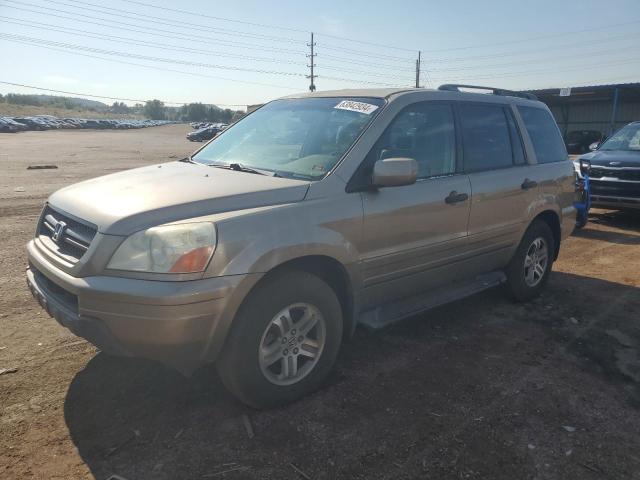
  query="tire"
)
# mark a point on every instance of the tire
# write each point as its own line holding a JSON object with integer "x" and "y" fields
{"x": 521, "y": 285}
{"x": 244, "y": 364}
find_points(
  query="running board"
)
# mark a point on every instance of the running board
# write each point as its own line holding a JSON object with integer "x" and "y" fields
{"x": 391, "y": 313}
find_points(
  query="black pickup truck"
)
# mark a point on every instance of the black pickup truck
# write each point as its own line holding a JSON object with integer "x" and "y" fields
{"x": 615, "y": 170}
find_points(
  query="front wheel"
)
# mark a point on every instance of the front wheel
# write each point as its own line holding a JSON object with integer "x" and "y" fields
{"x": 529, "y": 269}
{"x": 284, "y": 340}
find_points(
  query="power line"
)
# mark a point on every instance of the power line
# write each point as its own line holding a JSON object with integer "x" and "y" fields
{"x": 142, "y": 57}
{"x": 154, "y": 67}
{"x": 559, "y": 46}
{"x": 339, "y": 59}
{"x": 341, "y": 48}
{"x": 153, "y": 31}
{"x": 363, "y": 42}
{"x": 355, "y": 62}
{"x": 539, "y": 37}
{"x": 111, "y": 98}
{"x": 542, "y": 71}
{"x": 365, "y": 63}
{"x": 133, "y": 41}
{"x": 170, "y": 22}
{"x": 561, "y": 58}
{"x": 263, "y": 25}
{"x": 203, "y": 15}
{"x": 279, "y": 27}
{"x": 364, "y": 72}
{"x": 363, "y": 82}
{"x": 612, "y": 80}
{"x": 350, "y": 51}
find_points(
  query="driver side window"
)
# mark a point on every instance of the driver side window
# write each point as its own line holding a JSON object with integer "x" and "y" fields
{"x": 425, "y": 132}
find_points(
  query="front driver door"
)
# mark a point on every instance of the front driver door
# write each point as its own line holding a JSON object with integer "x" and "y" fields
{"x": 415, "y": 234}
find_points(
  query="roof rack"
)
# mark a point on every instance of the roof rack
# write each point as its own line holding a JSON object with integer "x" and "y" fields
{"x": 452, "y": 87}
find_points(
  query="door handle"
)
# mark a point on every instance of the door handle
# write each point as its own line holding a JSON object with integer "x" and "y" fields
{"x": 455, "y": 197}
{"x": 527, "y": 184}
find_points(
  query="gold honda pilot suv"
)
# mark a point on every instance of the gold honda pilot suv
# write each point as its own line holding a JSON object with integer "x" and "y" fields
{"x": 318, "y": 212}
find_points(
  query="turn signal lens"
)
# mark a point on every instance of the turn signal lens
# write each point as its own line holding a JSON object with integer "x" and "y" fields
{"x": 194, "y": 261}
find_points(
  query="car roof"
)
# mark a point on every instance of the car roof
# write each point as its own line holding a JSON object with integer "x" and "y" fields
{"x": 388, "y": 93}
{"x": 355, "y": 92}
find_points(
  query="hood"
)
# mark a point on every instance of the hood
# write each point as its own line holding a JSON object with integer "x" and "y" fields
{"x": 129, "y": 201}
{"x": 603, "y": 158}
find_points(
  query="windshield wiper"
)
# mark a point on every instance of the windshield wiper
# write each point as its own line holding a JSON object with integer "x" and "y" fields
{"x": 187, "y": 160}
{"x": 238, "y": 167}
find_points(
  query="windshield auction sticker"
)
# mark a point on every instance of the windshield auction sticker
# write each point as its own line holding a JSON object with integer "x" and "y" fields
{"x": 360, "y": 107}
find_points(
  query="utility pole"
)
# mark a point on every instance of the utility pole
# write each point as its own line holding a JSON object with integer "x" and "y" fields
{"x": 312, "y": 57}
{"x": 418, "y": 70}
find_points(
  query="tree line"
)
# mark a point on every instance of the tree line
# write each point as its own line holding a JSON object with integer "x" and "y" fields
{"x": 192, "y": 112}
{"x": 152, "y": 109}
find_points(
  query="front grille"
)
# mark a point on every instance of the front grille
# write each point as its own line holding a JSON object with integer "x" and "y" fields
{"x": 73, "y": 237}
{"x": 615, "y": 189}
{"x": 620, "y": 174}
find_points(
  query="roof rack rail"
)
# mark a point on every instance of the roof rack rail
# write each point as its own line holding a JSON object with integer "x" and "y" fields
{"x": 453, "y": 87}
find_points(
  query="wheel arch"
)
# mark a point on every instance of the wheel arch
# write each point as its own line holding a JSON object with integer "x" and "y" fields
{"x": 552, "y": 219}
{"x": 332, "y": 272}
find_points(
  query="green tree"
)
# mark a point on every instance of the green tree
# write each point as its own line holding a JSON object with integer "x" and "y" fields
{"x": 119, "y": 107}
{"x": 196, "y": 112}
{"x": 155, "y": 110}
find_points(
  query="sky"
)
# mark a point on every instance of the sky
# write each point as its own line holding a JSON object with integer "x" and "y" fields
{"x": 239, "y": 52}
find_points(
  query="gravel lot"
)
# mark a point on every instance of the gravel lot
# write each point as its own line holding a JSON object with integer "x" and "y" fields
{"x": 482, "y": 388}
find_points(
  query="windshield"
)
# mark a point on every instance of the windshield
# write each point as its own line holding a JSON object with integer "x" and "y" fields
{"x": 295, "y": 138}
{"x": 626, "y": 139}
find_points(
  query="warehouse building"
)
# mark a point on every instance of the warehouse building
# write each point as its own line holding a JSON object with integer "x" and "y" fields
{"x": 601, "y": 108}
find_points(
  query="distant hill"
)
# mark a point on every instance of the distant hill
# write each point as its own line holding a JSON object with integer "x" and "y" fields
{"x": 75, "y": 101}
{"x": 53, "y": 100}
{"x": 9, "y": 110}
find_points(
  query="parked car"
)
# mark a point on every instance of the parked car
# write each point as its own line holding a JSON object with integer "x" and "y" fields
{"x": 7, "y": 127}
{"x": 206, "y": 133}
{"x": 33, "y": 123}
{"x": 317, "y": 212}
{"x": 18, "y": 125}
{"x": 615, "y": 170}
{"x": 578, "y": 141}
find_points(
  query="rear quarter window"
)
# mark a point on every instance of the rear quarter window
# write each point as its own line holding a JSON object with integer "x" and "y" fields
{"x": 545, "y": 136}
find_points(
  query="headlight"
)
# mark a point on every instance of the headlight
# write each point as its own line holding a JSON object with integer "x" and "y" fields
{"x": 576, "y": 167}
{"x": 183, "y": 248}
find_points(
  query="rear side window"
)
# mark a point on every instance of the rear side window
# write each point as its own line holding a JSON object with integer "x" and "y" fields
{"x": 544, "y": 134}
{"x": 486, "y": 137}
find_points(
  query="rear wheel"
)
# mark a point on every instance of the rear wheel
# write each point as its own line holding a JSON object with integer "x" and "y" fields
{"x": 284, "y": 340}
{"x": 529, "y": 269}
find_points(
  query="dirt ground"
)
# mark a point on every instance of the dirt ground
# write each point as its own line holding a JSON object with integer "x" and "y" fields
{"x": 479, "y": 389}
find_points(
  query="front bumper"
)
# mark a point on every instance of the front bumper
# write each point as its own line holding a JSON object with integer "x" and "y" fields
{"x": 181, "y": 324}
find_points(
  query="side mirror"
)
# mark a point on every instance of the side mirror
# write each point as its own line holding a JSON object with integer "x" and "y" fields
{"x": 585, "y": 166}
{"x": 394, "y": 172}
{"x": 594, "y": 146}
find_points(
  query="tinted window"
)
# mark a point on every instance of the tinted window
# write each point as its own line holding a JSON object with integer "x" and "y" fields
{"x": 425, "y": 132}
{"x": 486, "y": 139}
{"x": 544, "y": 134}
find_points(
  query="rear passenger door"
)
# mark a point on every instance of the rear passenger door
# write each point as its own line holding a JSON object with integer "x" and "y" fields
{"x": 501, "y": 183}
